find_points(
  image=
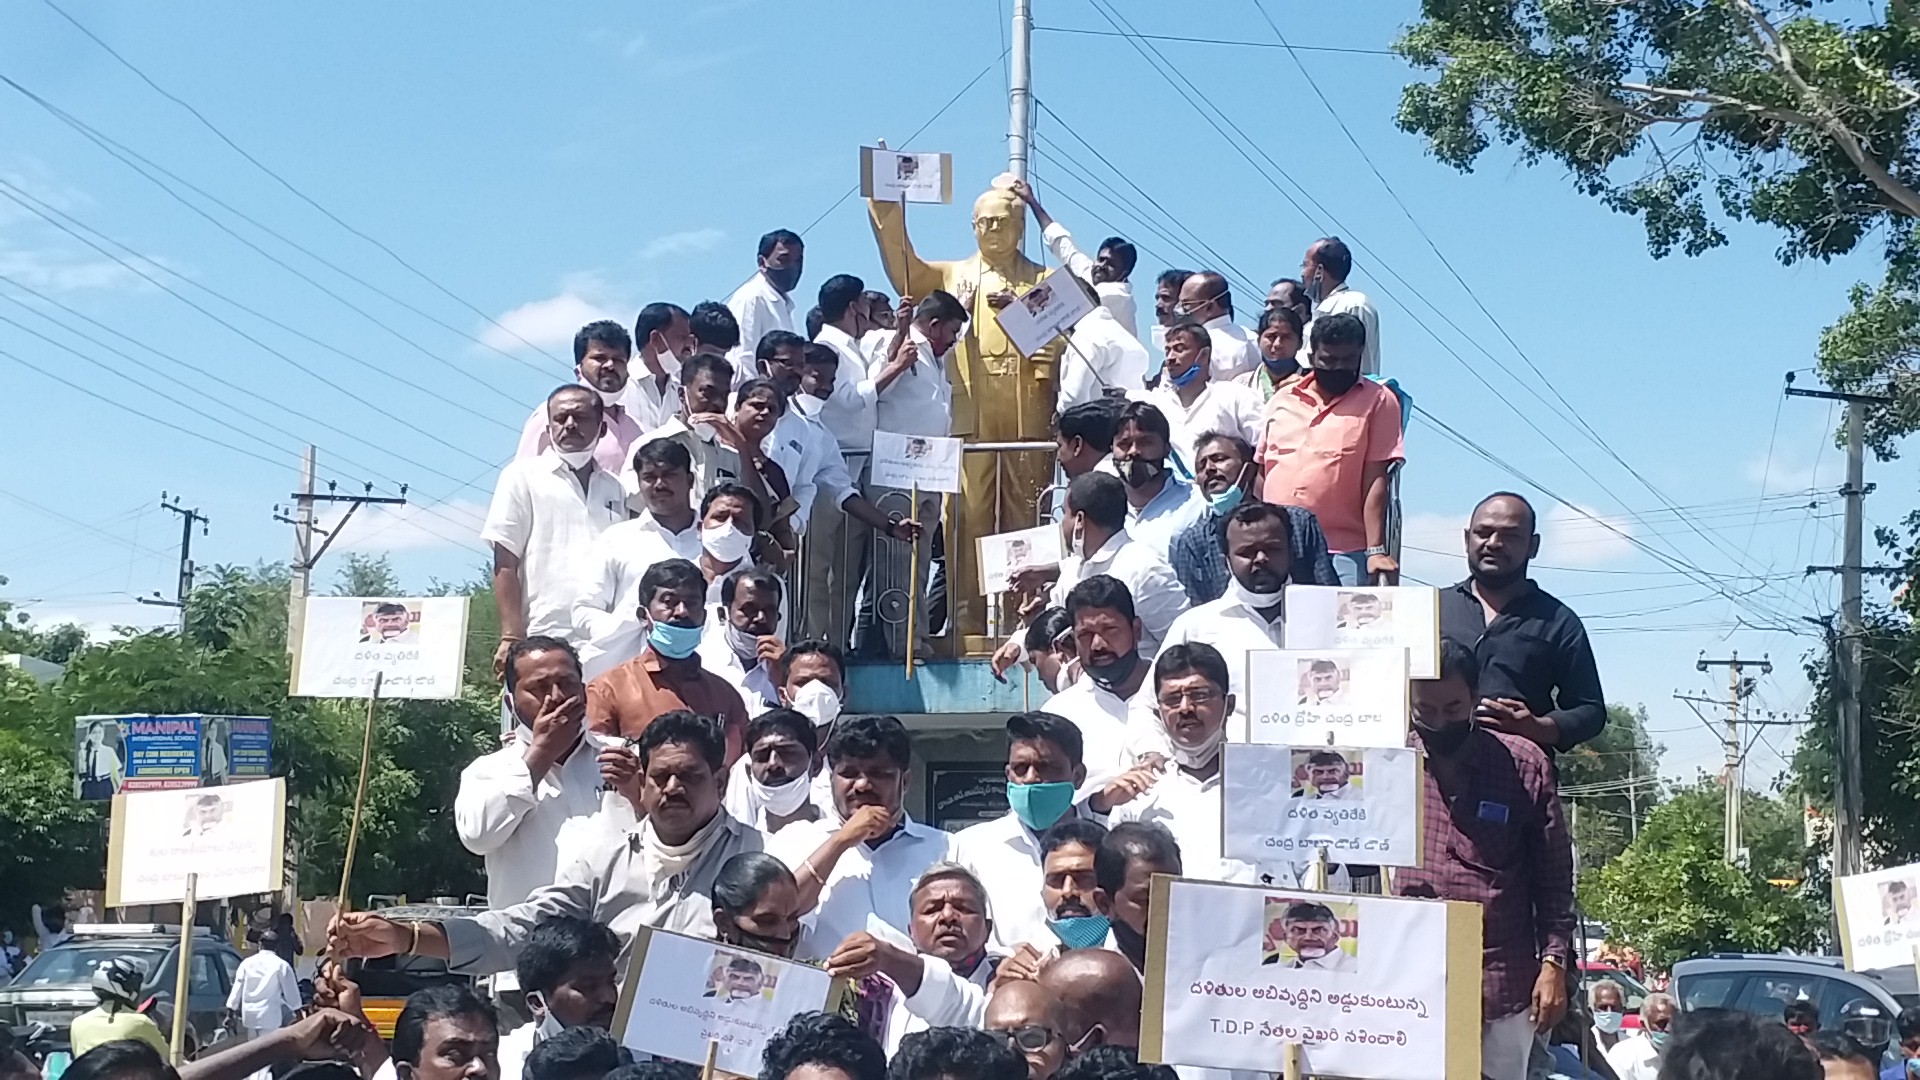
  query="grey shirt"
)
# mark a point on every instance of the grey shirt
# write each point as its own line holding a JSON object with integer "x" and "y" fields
{"x": 609, "y": 887}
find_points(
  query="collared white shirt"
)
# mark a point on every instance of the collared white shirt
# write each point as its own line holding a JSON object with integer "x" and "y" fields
{"x": 613, "y": 451}
{"x": 866, "y": 881}
{"x": 875, "y": 343}
{"x": 1230, "y": 408}
{"x": 756, "y": 685}
{"x": 1166, "y": 515}
{"x": 1634, "y": 1058}
{"x": 608, "y": 598}
{"x": 1158, "y": 597}
{"x": 759, "y": 308}
{"x": 811, "y": 459}
{"x": 848, "y": 413}
{"x": 1351, "y": 301}
{"x": 265, "y": 992}
{"x": 1100, "y": 354}
{"x": 1005, "y": 855}
{"x": 650, "y": 404}
{"x": 920, "y": 401}
{"x": 1190, "y": 810}
{"x": 1234, "y": 349}
{"x": 1115, "y": 296}
{"x": 944, "y": 999}
{"x": 1106, "y": 725}
{"x": 1237, "y": 632}
{"x": 541, "y": 514}
{"x": 515, "y": 1045}
{"x": 526, "y": 831}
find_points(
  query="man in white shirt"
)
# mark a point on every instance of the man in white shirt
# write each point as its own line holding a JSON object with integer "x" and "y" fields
{"x": 1639, "y": 1056}
{"x": 740, "y": 643}
{"x": 665, "y": 340}
{"x": 771, "y": 785}
{"x": 942, "y": 980}
{"x": 1044, "y": 771}
{"x": 868, "y": 865}
{"x": 848, "y": 414}
{"x": 1107, "y": 274}
{"x": 539, "y": 803}
{"x": 567, "y": 970}
{"x": 1195, "y": 404}
{"x": 545, "y": 514}
{"x": 265, "y": 993}
{"x": 607, "y": 599}
{"x": 881, "y": 321}
{"x": 765, "y": 303}
{"x": 1205, "y": 298}
{"x": 915, "y": 398}
{"x": 1324, "y": 270}
{"x": 1190, "y": 685}
{"x": 1083, "y": 439}
{"x": 1077, "y": 911}
{"x": 1111, "y": 703}
{"x": 1160, "y": 504}
{"x": 1101, "y": 360}
{"x": 601, "y": 351}
{"x": 1250, "y": 617}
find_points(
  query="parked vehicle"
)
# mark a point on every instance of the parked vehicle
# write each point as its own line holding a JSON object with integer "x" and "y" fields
{"x": 58, "y": 985}
{"x": 385, "y": 983}
{"x": 1863, "y": 1004}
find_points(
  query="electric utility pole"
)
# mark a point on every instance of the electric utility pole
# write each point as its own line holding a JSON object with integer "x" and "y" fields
{"x": 1020, "y": 90}
{"x": 188, "y": 518}
{"x": 1846, "y": 751}
{"x": 1739, "y": 688}
{"x": 305, "y": 555}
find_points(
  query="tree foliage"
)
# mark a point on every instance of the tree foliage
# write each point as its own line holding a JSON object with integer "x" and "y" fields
{"x": 1671, "y": 895}
{"x": 1690, "y": 114}
{"x": 233, "y": 660}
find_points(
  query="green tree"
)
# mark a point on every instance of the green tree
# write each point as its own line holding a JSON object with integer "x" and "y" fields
{"x": 1609, "y": 784}
{"x": 1670, "y": 895}
{"x": 19, "y": 635}
{"x": 1691, "y": 113}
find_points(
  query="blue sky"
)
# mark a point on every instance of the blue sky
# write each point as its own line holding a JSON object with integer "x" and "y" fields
{"x": 542, "y": 165}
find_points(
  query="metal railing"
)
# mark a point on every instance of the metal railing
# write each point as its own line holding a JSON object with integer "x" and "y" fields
{"x": 881, "y": 585}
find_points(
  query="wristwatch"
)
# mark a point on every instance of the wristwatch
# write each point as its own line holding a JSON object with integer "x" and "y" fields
{"x": 1376, "y": 550}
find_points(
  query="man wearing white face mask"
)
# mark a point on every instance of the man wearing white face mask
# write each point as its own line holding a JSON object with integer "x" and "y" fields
{"x": 567, "y": 970}
{"x": 1192, "y": 702}
{"x": 537, "y": 803}
{"x": 771, "y": 786}
{"x": 601, "y": 351}
{"x": 1250, "y": 616}
{"x": 813, "y": 683}
{"x": 545, "y": 514}
{"x": 741, "y": 644}
{"x": 665, "y": 340}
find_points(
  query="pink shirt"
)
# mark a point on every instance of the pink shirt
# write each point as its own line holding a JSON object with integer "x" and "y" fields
{"x": 614, "y": 451}
{"x": 1315, "y": 453}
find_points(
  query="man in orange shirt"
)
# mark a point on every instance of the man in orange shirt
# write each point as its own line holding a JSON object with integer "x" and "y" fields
{"x": 1327, "y": 443}
{"x": 667, "y": 674}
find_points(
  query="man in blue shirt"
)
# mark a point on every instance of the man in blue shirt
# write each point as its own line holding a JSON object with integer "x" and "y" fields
{"x": 1225, "y": 471}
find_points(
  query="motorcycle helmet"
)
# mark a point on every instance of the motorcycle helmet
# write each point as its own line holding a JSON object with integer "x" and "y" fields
{"x": 120, "y": 979}
{"x": 1870, "y": 1023}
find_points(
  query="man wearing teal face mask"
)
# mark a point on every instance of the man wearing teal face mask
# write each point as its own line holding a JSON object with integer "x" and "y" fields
{"x": 667, "y": 674}
{"x": 1045, "y": 766}
{"x": 1225, "y": 472}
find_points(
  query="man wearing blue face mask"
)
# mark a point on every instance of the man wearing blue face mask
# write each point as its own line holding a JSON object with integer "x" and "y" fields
{"x": 667, "y": 674}
{"x": 1193, "y": 401}
{"x": 1044, "y": 769}
{"x": 1226, "y": 474}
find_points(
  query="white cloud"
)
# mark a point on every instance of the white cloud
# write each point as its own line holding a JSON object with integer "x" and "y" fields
{"x": 681, "y": 243}
{"x": 552, "y": 322}
{"x": 415, "y": 526}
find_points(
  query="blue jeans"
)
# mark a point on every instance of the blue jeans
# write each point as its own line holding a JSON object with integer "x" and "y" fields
{"x": 1351, "y": 566}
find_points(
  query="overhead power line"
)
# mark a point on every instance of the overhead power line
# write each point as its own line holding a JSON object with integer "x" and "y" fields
{"x": 1343, "y": 49}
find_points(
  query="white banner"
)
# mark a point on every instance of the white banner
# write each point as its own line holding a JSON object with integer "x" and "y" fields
{"x": 684, "y": 994}
{"x": 894, "y": 176}
{"x": 233, "y": 837}
{"x": 1369, "y": 617}
{"x": 1369, "y": 986}
{"x": 417, "y": 645}
{"x": 1324, "y": 697}
{"x": 1003, "y": 555}
{"x": 1879, "y": 917}
{"x": 928, "y": 462}
{"x": 1045, "y": 311}
{"x": 1283, "y": 803}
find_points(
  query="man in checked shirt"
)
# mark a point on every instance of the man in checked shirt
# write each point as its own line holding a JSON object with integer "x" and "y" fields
{"x": 1495, "y": 835}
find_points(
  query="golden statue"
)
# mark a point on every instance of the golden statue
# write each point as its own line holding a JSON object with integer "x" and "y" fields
{"x": 998, "y": 395}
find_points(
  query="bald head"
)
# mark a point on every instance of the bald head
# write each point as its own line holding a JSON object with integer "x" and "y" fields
{"x": 1204, "y": 296}
{"x": 1022, "y": 1003}
{"x": 1097, "y": 987}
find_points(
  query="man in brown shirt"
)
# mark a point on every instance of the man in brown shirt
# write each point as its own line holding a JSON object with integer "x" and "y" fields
{"x": 667, "y": 674}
